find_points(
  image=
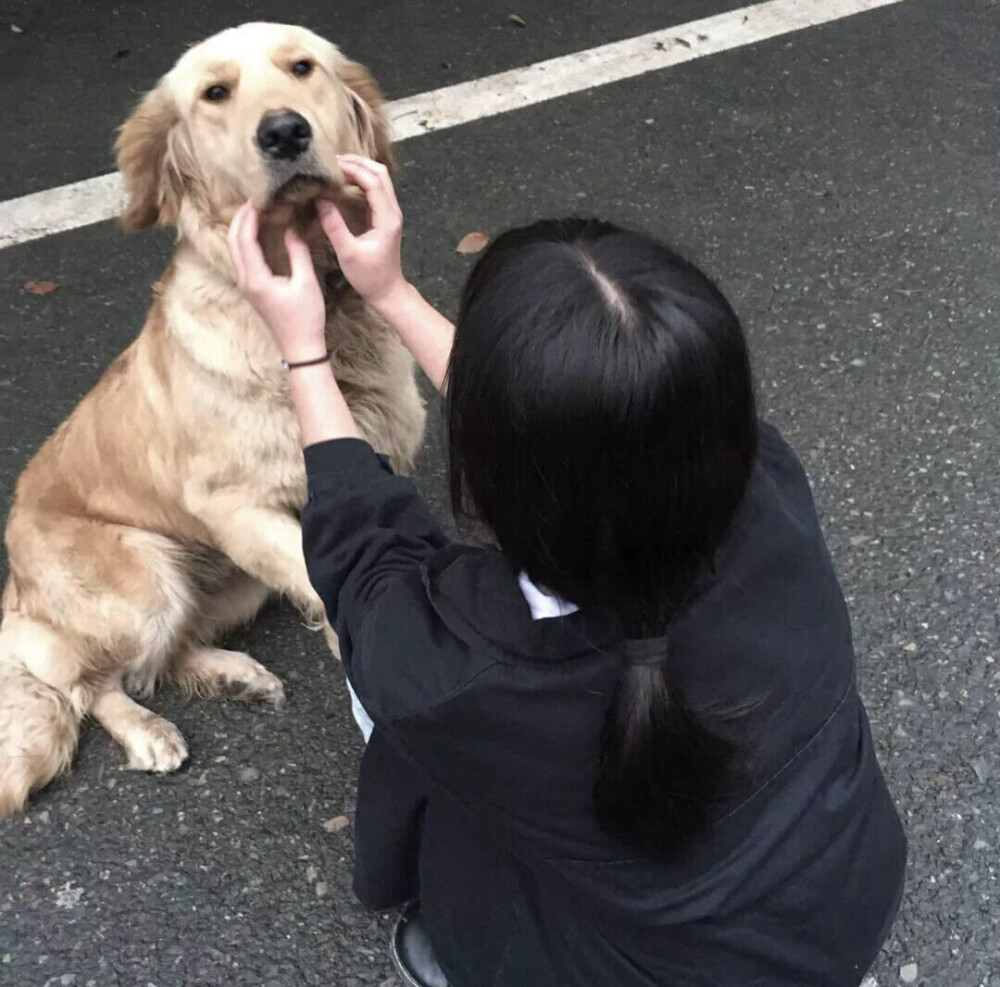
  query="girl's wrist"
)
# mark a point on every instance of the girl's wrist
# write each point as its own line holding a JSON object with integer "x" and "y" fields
{"x": 322, "y": 412}
{"x": 319, "y": 355}
{"x": 394, "y": 301}
{"x": 300, "y": 352}
{"x": 309, "y": 374}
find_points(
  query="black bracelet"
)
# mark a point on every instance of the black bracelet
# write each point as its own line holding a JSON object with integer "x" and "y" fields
{"x": 306, "y": 363}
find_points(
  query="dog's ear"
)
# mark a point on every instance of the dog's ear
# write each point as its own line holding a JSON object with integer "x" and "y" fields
{"x": 369, "y": 112}
{"x": 151, "y": 157}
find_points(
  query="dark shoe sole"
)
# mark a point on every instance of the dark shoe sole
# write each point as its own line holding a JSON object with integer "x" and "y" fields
{"x": 396, "y": 950}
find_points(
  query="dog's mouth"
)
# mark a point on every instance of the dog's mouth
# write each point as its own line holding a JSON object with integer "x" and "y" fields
{"x": 293, "y": 199}
{"x": 300, "y": 189}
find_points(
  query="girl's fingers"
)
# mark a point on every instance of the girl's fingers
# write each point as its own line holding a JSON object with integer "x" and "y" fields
{"x": 376, "y": 168}
{"x": 233, "y": 244}
{"x": 377, "y": 188}
{"x": 299, "y": 257}
{"x": 335, "y": 227}
{"x": 255, "y": 266}
{"x": 359, "y": 159}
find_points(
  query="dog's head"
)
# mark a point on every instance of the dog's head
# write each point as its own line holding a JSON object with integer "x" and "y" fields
{"x": 257, "y": 112}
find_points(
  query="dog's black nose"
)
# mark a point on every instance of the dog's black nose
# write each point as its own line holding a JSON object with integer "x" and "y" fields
{"x": 284, "y": 135}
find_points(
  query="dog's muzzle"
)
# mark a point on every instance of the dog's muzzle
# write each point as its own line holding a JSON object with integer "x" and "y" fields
{"x": 284, "y": 136}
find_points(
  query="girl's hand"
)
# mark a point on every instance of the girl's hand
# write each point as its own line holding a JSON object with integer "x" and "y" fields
{"x": 292, "y": 307}
{"x": 370, "y": 262}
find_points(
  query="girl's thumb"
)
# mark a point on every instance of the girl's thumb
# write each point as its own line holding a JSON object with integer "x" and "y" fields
{"x": 299, "y": 258}
{"x": 334, "y": 225}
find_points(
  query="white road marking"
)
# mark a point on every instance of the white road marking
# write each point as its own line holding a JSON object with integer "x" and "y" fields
{"x": 96, "y": 199}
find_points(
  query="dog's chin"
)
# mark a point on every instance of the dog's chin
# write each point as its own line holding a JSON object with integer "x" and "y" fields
{"x": 294, "y": 202}
{"x": 300, "y": 190}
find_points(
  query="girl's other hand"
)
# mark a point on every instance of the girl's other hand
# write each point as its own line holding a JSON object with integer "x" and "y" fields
{"x": 292, "y": 307}
{"x": 371, "y": 262}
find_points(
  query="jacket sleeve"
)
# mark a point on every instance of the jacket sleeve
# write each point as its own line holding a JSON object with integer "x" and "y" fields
{"x": 362, "y": 527}
{"x": 392, "y": 796}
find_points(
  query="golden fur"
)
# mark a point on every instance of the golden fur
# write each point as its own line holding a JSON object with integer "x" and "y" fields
{"x": 164, "y": 510}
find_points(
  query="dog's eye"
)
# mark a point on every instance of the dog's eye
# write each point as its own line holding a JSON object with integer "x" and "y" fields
{"x": 302, "y": 67}
{"x": 216, "y": 94}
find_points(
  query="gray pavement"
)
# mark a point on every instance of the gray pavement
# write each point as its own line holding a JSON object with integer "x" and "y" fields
{"x": 842, "y": 183}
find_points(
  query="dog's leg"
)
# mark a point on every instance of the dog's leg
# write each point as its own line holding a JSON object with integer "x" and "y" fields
{"x": 228, "y": 607}
{"x": 213, "y": 672}
{"x": 201, "y": 670}
{"x": 150, "y": 742}
{"x": 38, "y": 734}
{"x": 265, "y": 543}
{"x": 41, "y": 705}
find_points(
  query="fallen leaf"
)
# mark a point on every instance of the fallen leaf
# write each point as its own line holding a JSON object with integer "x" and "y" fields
{"x": 517, "y": 20}
{"x": 472, "y": 243}
{"x": 982, "y": 768}
{"x": 16, "y": 29}
{"x": 41, "y": 287}
{"x": 336, "y": 824}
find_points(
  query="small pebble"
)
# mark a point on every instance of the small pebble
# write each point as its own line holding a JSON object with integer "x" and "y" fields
{"x": 908, "y": 973}
{"x": 321, "y": 889}
{"x": 982, "y": 768}
{"x": 248, "y": 774}
{"x": 336, "y": 824}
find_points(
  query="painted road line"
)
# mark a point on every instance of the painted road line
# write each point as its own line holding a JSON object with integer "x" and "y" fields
{"x": 93, "y": 200}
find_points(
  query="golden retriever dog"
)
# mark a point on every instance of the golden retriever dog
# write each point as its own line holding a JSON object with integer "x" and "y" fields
{"x": 164, "y": 510}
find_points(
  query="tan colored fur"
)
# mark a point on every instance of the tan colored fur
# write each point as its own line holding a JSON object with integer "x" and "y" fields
{"x": 164, "y": 510}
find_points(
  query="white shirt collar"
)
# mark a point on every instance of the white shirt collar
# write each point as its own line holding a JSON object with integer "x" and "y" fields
{"x": 543, "y": 604}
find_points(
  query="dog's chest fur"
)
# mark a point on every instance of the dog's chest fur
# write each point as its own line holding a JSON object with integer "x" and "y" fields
{"x": 228, "y": 391}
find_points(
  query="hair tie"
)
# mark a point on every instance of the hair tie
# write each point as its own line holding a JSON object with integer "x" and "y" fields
{"x": 646, "y": 650}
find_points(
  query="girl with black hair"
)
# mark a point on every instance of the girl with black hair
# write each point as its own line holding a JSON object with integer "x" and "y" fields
{"x": 625, "y": 747}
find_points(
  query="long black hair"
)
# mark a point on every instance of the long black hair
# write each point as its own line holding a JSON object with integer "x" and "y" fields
{"x": 601, "y": 421}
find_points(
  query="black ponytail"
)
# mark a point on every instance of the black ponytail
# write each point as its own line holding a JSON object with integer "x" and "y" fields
{"x": 601, "y": 420}
{"x": 662, "y": 771}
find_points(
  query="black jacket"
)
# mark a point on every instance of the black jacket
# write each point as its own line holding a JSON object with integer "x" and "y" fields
{"x": 475, "y": 791}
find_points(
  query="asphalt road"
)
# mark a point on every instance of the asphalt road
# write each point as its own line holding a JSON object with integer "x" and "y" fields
{"x": 842, "y": 183}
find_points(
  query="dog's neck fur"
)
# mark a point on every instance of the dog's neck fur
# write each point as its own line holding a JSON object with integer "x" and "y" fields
{"x": 216, "y": 326}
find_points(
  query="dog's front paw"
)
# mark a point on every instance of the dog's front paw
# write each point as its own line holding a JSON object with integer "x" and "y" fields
{"x": 332, "y": 641}
{"x": 253, "y": 683}
{"x": 155, "y": 744}
{"x": 312, "y": 610}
